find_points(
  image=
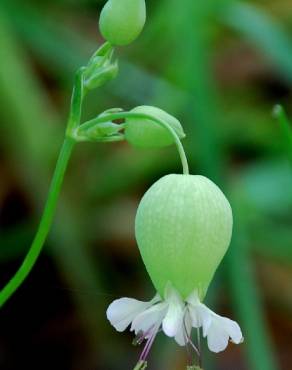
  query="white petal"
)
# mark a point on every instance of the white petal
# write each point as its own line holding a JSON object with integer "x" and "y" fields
{"x": 174, "y": 316}
{"x": 206, "y": 318}
{"x": 232, "y": 328}
{"x": 173, "y": 320}
{"x": 184, "y": 331}
{"x": 150, "y": 318}
{"x": 217, "y": 338}
{"x": 219, "y": 332}
{"x": 170, "y": 293}
{"x": 201, "y": 316}
{"x": 193, "y": 298}
{"x": 122, "y": 312}
{"x": 216, "y": 328}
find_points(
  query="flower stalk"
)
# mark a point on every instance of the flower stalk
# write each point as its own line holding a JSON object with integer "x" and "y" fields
{"x": 80, "y": 131}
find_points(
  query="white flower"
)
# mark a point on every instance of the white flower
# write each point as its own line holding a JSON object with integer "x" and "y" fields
{"x": 175, "y": 317}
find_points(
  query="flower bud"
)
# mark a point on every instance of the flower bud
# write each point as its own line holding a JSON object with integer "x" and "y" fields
{"x": 121, "y": 21}
{"x": 183, "y": 229}
{"x": 145, "y": 133}
{"x": 100, "y": 68}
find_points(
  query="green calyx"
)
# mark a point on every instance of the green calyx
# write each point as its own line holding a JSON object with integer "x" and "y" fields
{"x": 183, "y": 229}
{"x": 121, "y": 21}
{"x": 146, "y": 133}
{"x": 101, "y": 68}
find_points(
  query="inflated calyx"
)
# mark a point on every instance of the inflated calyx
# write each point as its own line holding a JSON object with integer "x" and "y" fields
{"x": 183, "y": 229}
{"x": 147, "y": 133}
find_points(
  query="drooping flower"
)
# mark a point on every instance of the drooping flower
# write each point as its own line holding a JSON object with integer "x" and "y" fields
{"x": 175, "y": 318}
{"x": 183, "y": 229}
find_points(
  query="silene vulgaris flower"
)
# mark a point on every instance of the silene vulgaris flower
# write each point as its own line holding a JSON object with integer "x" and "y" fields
{"x": 183, "y": 229}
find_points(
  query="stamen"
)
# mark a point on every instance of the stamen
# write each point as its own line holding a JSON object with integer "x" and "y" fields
{"x": 194, "y": 348}
{"x": 141, "y": 336}
{"x": 149, "y": 343}
{"x": 199, "y": 346}
{"x": 189, "y": 340}
{"x": 187, "y": 347}
{"x": 138, "y": 338}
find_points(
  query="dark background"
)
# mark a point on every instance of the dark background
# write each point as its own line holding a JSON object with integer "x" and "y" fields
{"x": 219, "y": 66}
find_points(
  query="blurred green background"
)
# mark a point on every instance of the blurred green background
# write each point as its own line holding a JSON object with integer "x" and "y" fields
{"x": 217, "y": 65}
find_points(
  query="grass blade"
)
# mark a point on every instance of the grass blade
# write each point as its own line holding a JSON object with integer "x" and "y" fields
{"x": 286, "y": 129}
{"x": 264, "y": 32}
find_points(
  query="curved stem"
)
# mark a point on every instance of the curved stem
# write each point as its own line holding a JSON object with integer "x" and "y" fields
{"x": 124, "y": 115}
{"x": 78, "y": 94}
{"x": 44, "y": 225}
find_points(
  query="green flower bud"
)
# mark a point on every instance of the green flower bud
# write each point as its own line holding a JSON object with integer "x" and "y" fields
{"x": 103, "y": 132}
{"x": 145, "y": 133}
{"x": 100, "y": 68}
{"x": 121, "y": 21}
{"x": 183, "y": 229}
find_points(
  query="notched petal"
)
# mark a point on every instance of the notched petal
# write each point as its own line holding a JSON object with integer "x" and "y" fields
{"x": 217, "y": 329}
{"x": 217, "y": 338}
{"x": 232, "y": 328}
{"x": 122, "y": 312}
{"x": 219, "y": 332}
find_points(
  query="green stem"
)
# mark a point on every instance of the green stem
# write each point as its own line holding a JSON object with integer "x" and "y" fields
{"x": 124, "y": 115}
{"x": 44, "y": 225}
{"x": 55, "y": 188}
